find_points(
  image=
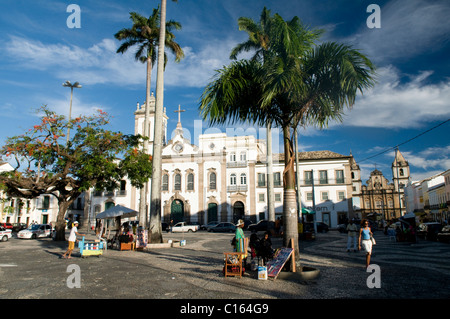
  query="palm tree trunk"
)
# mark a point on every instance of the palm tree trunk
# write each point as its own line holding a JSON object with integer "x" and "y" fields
{"x": 155, "y": 233}
{"x": 297, "y": 172}
{"x": 144, "y": 190}
{"x": 270, "y": 192}
{"x": 290, "y": 215}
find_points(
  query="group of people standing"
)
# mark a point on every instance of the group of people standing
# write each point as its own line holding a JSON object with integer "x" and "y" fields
{"x": 361, "y": 238}
{"x": 259, "y": 247}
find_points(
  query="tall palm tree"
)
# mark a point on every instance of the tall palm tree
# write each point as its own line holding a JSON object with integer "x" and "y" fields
{"x": 155, "y": 210}
{"x": 299, "y": 83}
{"x": 145, "y": 35}
{"x": 261, "y": 35}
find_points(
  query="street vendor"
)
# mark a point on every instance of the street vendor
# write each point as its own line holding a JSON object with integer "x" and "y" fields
{"x": 240, "y": 238}
{"x": 72, "y": 239}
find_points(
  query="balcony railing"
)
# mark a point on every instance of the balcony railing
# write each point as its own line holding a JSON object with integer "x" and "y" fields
{"x": 237, "y": 164}
{"x": 237, "y": 188}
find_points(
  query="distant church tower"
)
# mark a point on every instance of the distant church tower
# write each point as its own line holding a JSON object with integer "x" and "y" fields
{"x": 400, "y": 171}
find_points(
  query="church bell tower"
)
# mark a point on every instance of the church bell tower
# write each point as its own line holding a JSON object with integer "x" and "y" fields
{"x": 400, "y": 171}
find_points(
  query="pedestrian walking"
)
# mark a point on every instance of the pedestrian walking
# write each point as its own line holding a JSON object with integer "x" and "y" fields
{"x": 364, "y": 240}
{"x": 351, "y": 235}
{"x": 72, "y": 240}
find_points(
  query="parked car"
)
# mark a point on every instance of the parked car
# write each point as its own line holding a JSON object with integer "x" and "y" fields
{"x": 19, "y": 226}
{"x": 321, "y": 227}
{"x": 429, "y": 230}
{"x": 444, "y": 234}
{"x": 223, "y": 228}
{"x": 36, "y": 231}
{"x": 5, "y": 234}
{"x": 262, "y": 225}
{"x": 209, "y": 225}
{"x": 7, "y": 225}
{"x": 184, "y": 227}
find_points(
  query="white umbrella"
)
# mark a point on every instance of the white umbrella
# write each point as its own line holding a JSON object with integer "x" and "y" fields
{"x": 117, "y": 211}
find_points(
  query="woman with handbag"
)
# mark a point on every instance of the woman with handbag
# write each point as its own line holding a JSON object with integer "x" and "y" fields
{"x": 365, "y": 240}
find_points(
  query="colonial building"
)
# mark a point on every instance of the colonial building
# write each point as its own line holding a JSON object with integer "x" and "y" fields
{"x": 41, "y": 210}
{"x": 430, "y": 198}
{"x": 223, "y": 178}
{"x": 379, "y": 197}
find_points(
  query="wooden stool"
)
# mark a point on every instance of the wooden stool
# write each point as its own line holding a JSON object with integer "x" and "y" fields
{"x": 233, "y": 264}
{"x": 127, "y": 246}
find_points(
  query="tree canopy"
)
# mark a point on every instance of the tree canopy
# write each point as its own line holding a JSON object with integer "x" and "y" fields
{"x": 93, "y": 157}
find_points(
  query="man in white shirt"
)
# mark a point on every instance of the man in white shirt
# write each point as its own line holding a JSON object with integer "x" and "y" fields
{"x": 351, "y": 229}
{"x": 72, "y": 240}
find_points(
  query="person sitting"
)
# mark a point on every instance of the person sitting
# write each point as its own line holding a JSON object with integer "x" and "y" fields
{"x": 254, "y": 245}
{"x": 127, "y": 236}
{"x": 266, "y": 251}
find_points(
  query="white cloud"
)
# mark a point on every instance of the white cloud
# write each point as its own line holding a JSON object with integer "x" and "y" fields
{"x": 433, "y": 157}
{"x": 97, "y": 64}
{"x": 199, "y": 65}
{"x": 79, "y": 107}
{"x": 393, "y": 104}
{"x": 407, "y": 28}
{"x": 100, "y": 64}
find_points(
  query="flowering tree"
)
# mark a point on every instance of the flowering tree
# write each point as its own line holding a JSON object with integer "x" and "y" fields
{"x": 94, "y": 157}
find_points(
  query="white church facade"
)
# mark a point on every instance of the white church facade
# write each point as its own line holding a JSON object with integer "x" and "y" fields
{"x": 223, "y": 178}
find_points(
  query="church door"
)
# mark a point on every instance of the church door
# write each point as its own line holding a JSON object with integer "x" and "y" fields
{"x": 177, "y": 211}
{"x": 212, "y": 212}
{"x": 238, "y": 211}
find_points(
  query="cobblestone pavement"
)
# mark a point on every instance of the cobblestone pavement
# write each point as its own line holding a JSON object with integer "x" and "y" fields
{"x": 32, "y": 269}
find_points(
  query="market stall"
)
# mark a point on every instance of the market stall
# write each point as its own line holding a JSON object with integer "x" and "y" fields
{"x": 117, "y": 213}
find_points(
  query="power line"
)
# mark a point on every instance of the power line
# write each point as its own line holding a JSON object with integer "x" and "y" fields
{"x": 407, "y": 141}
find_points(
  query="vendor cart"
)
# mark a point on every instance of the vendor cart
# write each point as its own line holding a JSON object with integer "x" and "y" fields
{"x": 91, "y": 248}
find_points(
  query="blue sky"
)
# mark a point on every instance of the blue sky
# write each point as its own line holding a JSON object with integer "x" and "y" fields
{"x": 411, "y": 51}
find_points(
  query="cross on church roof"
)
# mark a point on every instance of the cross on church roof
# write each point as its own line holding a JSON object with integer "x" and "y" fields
{"x": 179, "y": 116}
{"x": 179, "y": 112}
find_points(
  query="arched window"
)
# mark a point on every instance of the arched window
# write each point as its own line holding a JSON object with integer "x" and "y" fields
{"x": 212, "y": 181}
{"x": 190, "y": 182}
{"x": 177, "y": 182}
{"x": 233, "y": 179}
{"x": 401, "y": 172}
{"x": 165, "y": 182}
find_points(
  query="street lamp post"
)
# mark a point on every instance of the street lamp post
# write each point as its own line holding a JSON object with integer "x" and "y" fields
{"x": 75, "y": 85}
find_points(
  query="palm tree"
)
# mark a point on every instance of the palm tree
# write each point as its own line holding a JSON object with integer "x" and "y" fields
{"x": 145, "y": 35}
{"x": 155, "y": 210}
{"x": 299, "y": 83}
{"x": 261, "y": 36}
